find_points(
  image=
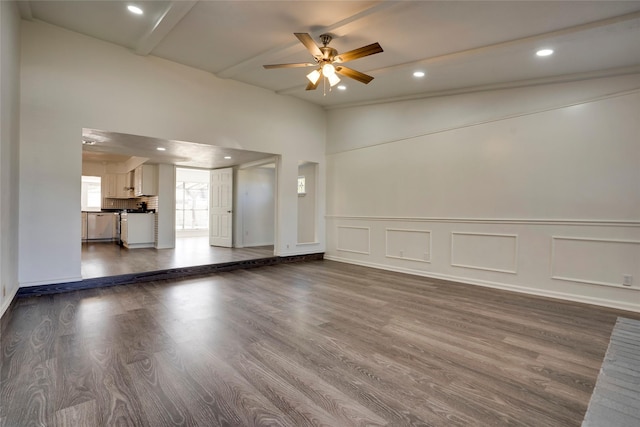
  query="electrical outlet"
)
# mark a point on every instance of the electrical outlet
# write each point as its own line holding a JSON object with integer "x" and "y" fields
{"x": 627, "y": 280}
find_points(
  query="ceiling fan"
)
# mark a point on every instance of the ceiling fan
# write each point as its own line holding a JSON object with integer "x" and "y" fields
{"x": 328, "y": 61}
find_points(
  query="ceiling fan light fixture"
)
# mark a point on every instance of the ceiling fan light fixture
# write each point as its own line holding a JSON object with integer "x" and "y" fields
{"x": 328, "y": 70}
{"x": 314, "y": 76}
{"x": 333, "y": 80}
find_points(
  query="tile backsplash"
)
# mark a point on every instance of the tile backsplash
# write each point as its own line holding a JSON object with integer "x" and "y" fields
{"x": 152, "y": 203}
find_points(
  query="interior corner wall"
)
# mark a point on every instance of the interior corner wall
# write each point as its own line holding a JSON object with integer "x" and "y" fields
{"x": 70, "y": 81}
{"x": 9, "y": 140}
{"x": 534, "y": 189}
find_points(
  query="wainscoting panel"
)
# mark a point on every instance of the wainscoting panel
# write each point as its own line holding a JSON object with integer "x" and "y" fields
{"x": 485, "y": 251}
{"x": 354, "y": 239}
{"x": 595, "y": 261}
{"x": 412, "y": 245}
{"x": 521, "y": 255}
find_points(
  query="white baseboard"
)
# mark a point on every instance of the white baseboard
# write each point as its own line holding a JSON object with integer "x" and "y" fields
{"x": 620, "y": 305}
{"x": 7, "y": 302}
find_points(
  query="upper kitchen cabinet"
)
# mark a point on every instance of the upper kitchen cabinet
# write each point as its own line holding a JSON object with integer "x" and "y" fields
{"x": 116, "y": 186}
{"x": 145, "y": 180}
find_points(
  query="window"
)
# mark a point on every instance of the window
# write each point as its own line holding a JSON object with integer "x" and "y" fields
{"x": 91, "y": 197}
{"x": 302, "y": 185}
{"x": 192, "y": 205}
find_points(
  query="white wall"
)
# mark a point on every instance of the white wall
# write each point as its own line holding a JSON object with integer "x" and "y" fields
{"x": 532, "y": 189}
{"x": 255, "y": 207}
{"x": 9, "y": 139}
{"x": 71, "y": 81}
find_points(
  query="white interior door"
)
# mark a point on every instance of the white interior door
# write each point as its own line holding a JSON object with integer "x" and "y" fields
{"x": 221, "y": 208}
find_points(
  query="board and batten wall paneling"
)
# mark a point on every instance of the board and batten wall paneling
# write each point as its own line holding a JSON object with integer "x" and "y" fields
{"x": 407, "y": 244}
{"x": 485, "y": 251}
{"x": 353, "y": 239}
{"x": 494, "y": 194}
{"x": 595, "y": 261}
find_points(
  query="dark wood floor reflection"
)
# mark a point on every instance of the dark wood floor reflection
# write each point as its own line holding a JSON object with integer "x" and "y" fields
{"x": 109, "y": 259}
{"x": 314, "y": 343}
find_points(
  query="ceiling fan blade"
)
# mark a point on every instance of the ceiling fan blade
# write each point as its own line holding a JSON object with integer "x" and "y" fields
{"x": 295, "y": 65}
{"x": 312, "y": 86}
{"x": 356, "y": 75}
{"x": 359, "y": 53}
{"x": 308, "y": 42}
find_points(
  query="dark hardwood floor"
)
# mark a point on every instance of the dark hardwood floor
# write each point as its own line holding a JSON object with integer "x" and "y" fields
{"x": 102, "y": 259}
{"x": 315, "y": 343}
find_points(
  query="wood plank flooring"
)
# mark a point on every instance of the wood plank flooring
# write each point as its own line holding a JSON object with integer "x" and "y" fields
{"x": 102, "y": 259}
{"x": 306, "y": 344}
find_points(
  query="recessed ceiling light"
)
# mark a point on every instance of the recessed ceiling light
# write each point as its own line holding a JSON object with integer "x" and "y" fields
{"x": 342, "y": 87}
{"x": 161, "y": 149}
{"x": 418, "y": 74}
{"x": 227, "y": 157}
{"x": 544, "y": 52}
{"x": 134, "y": 9}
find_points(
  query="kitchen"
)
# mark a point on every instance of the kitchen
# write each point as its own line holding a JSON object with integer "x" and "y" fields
{"x": 130, "y": 213}
{"x": 121, "y": 207}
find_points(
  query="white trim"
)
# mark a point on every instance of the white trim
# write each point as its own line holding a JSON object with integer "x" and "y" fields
{"x": 351, "y": 250}
{"x": 475, "y": 267}
{"x": 589, "y": 282}
{"x": 527, "y": 221}
{"x": 386, "y": 244}
{"x": 496, "y": 285}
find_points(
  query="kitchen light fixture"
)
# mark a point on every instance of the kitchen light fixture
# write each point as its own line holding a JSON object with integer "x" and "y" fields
{"x": 161, "y": 149}
{"x": 418, "y": 74}
{"x": 135, "y": 9}
{"x": 544, "y": 52}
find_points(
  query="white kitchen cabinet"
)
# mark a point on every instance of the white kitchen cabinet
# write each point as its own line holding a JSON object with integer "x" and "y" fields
{"x": 116, "y": 186}
{"x": 123, "y": 186}
{"x": 137, "y": 230}
{"x": 145, "y": 180}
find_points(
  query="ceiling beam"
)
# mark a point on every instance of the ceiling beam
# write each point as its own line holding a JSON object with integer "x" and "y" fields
{"x": 295, "y": 46}
{"x": 24, "y": 7}
{"x": 167, "y": 22}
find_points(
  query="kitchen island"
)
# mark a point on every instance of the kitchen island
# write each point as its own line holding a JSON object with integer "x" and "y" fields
{"x": 138, "y": 230}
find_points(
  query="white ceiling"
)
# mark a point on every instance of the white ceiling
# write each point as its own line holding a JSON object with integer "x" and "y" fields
{"x": 460, "y": 45}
